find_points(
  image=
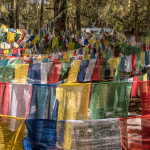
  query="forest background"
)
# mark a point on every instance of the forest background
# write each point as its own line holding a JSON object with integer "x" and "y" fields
{"x": 125, "y": 16}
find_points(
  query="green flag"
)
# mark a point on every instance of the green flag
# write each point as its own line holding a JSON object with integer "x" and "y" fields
{"x": 110, "y": 100}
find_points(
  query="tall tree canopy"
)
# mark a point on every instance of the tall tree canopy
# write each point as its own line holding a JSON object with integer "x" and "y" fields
{"x": 124, "y": 16}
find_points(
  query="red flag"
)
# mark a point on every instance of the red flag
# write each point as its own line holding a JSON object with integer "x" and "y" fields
{"x": 97, "y": 70}
{"x": 4, "y": 98}
{"x": 55, "y": 72}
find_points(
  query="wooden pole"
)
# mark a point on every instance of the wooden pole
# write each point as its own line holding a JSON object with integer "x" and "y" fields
{"x": 17, "y": 13}
{"x": 41, "y": 14}
{"x": 11, "y": 14}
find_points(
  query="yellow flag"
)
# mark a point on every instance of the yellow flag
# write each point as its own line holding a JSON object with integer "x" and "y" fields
{"x": 104, "y": 56}
{"x": 5, "y": 29}
{"x": 3, "y": 26}
{"x": 147, "y": 40}
{"x": 26, "y": 45}
{"x": 73, "y": 105}
{"x": 3, "y": 57}
{"x": 55, "y": 42}
{"x": 21, "y": 73}
{"x": 6, "y": 51}
{"x": 84, "y": 49}
{"x": 88, "y": 57}
{"x": 35, "y": 39}
{"x": 10, "y": 37}
{"x": 2, "y": 45}
{"x": 67, "y": 59}
{"x": 32, "y": 32}
{"x": 74, "y": 70}
{"x": 64, "y": 55}
{"x": 11, "y": 140}
{"x": 145, "y": 77}
{"x": 71, "y": 45}
{"x": 91, "y": 41}
{"x": 26, "y": 51}
{"x": 142, "y": 58}
{"x": 114, "y": 63}
{"x": 47, "y": 51}
{"x": 19, "y": 31}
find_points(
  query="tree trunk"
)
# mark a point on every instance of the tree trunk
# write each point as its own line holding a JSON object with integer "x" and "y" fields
{"x": 78, "y": 18}
{"x": 136, "y": 19}
{"x": 17, "y": 14}
{"x": 148, "y": 15}
{"x": 11, "y": 14}
{"x": 41, "y": 14}
{"x": 59, "y": 7}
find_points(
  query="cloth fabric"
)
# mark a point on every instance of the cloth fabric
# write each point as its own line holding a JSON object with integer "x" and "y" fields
{"x": 35, "y": 39}
{"x": 104, "y": 66}
{"x": 7, "y": 74}
{"x": 144, "y": 88}
{"x": 129, "y": 63}
{"x": 34, "y": 73}
{"x": 73, "y": 101}
{"x": 73, "y": 105}
{"x": 140, "y": 79}
{"x": 73, "y": 72}
{"x": 122, "y": 64}
{"x": 42, "y": 134}
{"x": 6, "y": 51}
{"x": 84, "y": 65}
{"x": 143, "y": 39}
{"x": 134, "y": 63}
{"x": 42, "y": 101}
{"x": 89, "y": 70}
{"x": 148, "y": 76}
{"x": 134, "y": 87}
{"x": 20, "y": 100}
{"x": 64, "y": 71}
{"x": 26, "y": 144}
{"x": 55, "y": 110}
{"x": 98, "y": 134}
{"x": 145, "y": 77}
{"x": 21, "y": 73}
{"x": 97, "y": 70}
{"x": 135, "y": 132}
{"x": 146, "y": 58}
{"x": 4, "y": 62}
{"x": 10, "y": 37}
{"x": 45, "y": 69}
{"x": 116, "y": 76}
{"x": 4, "y": 98}
{"x": 114, "y": 63}
{"x": 16, "y": 62}
{"x": 55, "y": 72}
{"x": 138, "y": 61}
{"x": 142, "y": 58}
{"x": 110, "y": 100}
{"x": 11, "y": 139}
{"x": 71, "y": 45}
{"x": 130, "y": 80}
{"x": 147, "y": 40}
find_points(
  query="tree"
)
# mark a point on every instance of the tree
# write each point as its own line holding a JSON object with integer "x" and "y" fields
{"x": 78, "y": 18}
{"x": 123, "y": 16}
{"x": 136, "y": 19}
{"x": 11, "y": 13}
{"x": 59, "y": 8}
{"x": 148, "y": 15}
{"x": 17, "y": 13}
{"x": 41, "y": 14}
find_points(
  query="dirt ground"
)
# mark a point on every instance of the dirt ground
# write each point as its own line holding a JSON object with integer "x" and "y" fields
{"x": 135, "y": 106}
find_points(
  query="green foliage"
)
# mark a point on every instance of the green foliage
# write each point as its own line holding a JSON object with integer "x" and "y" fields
{"x": 122, "y": 15}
